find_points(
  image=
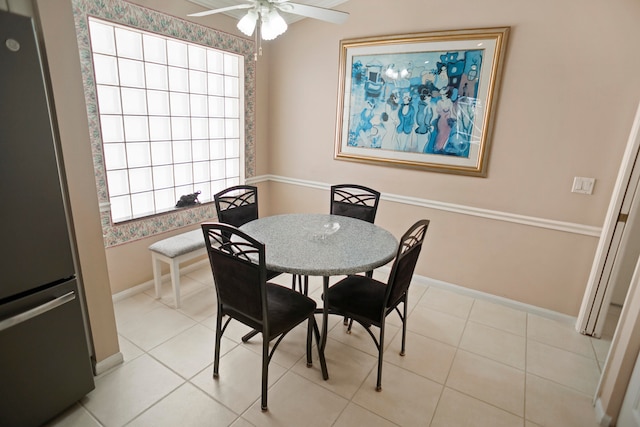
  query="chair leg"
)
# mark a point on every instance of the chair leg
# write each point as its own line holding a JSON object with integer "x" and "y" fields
{"x": 350, "y": 321}
{"x": 309, "y": 336}
{"x": 380, "y": 352}
{"x": 249, "y": 335}
{"x": 404, "y": 326}
{"x": 216, "y": 357}
{"x": 301, "y": 283}
{"x": 265, "y": 372}
{"x": 346, "y": 321}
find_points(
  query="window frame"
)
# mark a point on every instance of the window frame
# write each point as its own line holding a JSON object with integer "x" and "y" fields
{"x": 159, "y": 159}
{"x": 129, "y": 15}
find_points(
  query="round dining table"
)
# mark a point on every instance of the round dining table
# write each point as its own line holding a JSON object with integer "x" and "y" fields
{"x": 322, "y": 245}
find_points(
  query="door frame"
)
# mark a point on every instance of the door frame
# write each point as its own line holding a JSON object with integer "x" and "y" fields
{"x": 629, "y": 412}
{"x": 598, "y": 294}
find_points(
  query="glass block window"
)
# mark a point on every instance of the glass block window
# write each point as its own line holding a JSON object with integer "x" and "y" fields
{"x": 171, "y": 118}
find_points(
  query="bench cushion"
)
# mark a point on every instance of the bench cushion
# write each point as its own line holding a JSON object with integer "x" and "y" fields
{"x": 180, "y": 244}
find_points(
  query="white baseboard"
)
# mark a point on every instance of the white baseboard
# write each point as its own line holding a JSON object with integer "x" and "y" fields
{"x": 417, "y": 279}
{"x": 149, "y": 283}
{"x": 602, "y": 418}
{"x": 134, "y": 290}
{"x": 108, "y": 363}
{"x": 542, "y": 312}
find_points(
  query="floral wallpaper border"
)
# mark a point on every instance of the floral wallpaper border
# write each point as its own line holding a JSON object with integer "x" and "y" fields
{"x": 131, "y": 15}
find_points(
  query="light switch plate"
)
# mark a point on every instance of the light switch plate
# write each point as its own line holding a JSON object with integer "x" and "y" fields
{"x": 583, "y": 185}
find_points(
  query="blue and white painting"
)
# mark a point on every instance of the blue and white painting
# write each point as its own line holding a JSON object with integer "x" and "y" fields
{"x": 421, "y": 102}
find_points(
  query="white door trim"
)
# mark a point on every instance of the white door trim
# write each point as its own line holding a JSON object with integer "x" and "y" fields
{"x": 598, "y": 293}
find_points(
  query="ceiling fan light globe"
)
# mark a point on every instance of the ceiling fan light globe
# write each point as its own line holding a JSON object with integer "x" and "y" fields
{"x": 272, "y": 25}
{"x": 248, "y": 23}
{"x": 266, "y": 34}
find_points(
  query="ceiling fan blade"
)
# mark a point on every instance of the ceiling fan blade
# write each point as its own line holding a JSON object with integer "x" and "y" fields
{"x": 222, "y": 9}
{"x": 328, "y": 15}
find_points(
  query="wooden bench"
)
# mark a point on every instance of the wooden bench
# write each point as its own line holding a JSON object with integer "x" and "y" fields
{"x": 175, "y": 250}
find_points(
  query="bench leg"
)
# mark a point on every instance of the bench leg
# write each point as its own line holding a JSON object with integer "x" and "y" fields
{"x": 175, "y": 281}
{"x": 174, "y": 269}
{"x": 157, "y": 274}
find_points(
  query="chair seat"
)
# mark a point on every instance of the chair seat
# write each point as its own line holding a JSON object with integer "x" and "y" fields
{"x": 286, "y": 307}
{"x": 359, "y": 297}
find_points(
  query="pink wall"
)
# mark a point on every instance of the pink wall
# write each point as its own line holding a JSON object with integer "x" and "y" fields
{"x": 557, "y": 117}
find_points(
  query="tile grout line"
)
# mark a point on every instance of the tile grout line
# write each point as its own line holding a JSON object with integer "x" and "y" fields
{"x": 423, "y": 296}
{"x": 455, "y": 353}
{"x": 458, "y": 349}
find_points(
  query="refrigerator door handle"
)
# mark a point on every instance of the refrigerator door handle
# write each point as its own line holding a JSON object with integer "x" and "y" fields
{"x": 36, "y": 311}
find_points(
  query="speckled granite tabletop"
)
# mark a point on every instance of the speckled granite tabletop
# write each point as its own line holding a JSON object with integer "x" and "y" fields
{"x": 321, "y": 244}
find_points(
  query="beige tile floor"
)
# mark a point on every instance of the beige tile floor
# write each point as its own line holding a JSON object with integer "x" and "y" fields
{"x": 469, "y": 362}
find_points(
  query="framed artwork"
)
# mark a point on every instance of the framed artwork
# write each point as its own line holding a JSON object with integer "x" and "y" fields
{"x": 420, "y": 100}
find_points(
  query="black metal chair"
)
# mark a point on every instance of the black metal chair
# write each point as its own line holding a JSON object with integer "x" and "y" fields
{"x": 238, "y": 205}
{"x": 355, "y": 201}
{"x": 352, "y": 200}
{"x": 369, "y": 302}
{"x": 240, "y": 276}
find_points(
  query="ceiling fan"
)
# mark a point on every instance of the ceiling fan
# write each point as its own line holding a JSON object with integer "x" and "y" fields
{"x": 265, "y": 15}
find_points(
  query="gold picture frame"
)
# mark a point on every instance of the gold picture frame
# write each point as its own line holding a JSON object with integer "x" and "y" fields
{"x": 424, "y": 100}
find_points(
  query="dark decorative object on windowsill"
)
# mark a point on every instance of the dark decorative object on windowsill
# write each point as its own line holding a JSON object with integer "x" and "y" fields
{"x": 188, "y": 200}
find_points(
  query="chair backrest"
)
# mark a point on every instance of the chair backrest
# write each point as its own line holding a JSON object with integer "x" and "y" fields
{"x": 237, "y": 205}
{"x": 239, "y": 272}
{"x": 355, "y": 201}
{"x": 405, "y": 262}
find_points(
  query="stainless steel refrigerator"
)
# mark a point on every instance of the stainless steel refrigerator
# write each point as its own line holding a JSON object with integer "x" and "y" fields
{"x": 45, "y": 363}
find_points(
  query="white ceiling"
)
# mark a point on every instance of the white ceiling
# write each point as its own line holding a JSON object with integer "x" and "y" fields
{"x": 216, "y": 4}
